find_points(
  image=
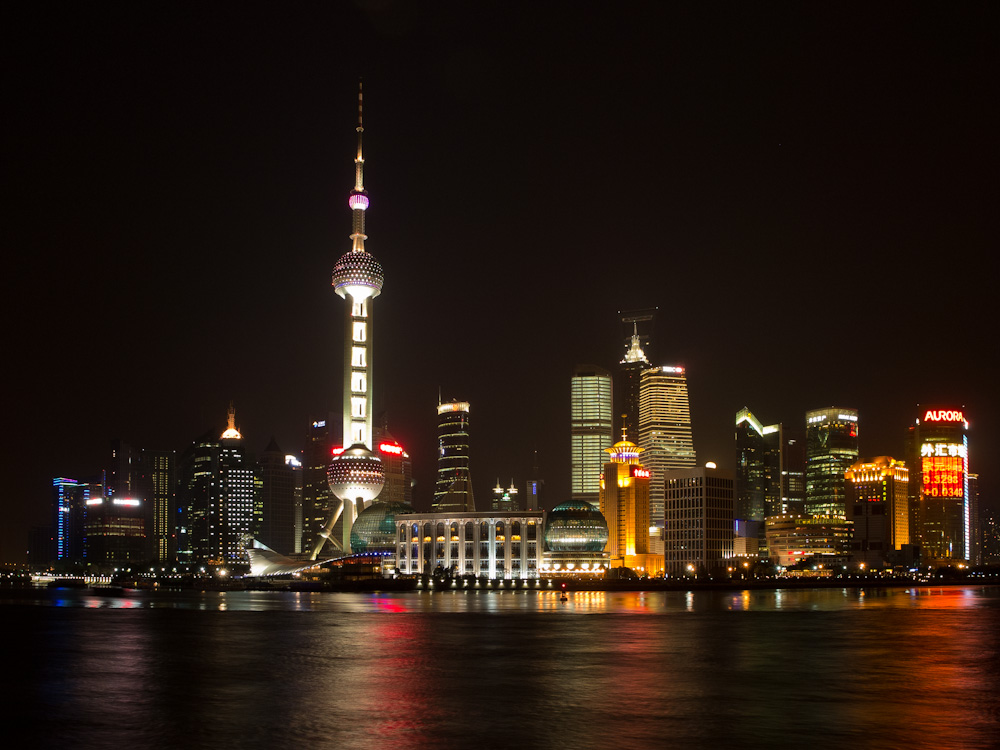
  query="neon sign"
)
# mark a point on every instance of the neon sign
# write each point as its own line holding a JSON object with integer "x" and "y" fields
{"x": 943, "y": 466}
{"x": 640, "y": 473}
{"x": 944, "y": 415}
{"x": 390, "y": 448}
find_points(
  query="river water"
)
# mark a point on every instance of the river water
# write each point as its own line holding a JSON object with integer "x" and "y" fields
{"x": 819, "y": 668}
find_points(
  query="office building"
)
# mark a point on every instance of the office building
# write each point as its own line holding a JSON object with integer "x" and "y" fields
{"x": 820, "y": 542}
{"x": 878, "y": 507}
{"x": 398, "y": 467}
{"x": 937, "y": 449}
{"x": 698, "y": 535}
{"x": 505, "y": 499}
{"x": 664, "y": 430}
{"x": 318, "y": 501}
{"x": 69, "y": 498}
{"x": 115, "y": 531}
{"x": 624, "y": 503}
{"x": 831, "y": 448}
{"x": 591, "y": 423}
{"x": 278, "y": 478}
{"x": 627, "y": 388}
{"x": 219, "y": 493}
{"x": 976, "y": 522}
{"x": 356, "y": 474}
{"x": 453, "y": 490}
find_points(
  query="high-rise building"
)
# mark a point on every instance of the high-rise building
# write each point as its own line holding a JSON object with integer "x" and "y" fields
{"x": 627, "y": 388}
{"x": 398, "y": 469}
{"x": 69, "y": 497}
{"x": 318, "y": 502}
{"x": 819, "y": 541}
{"x": 938, "y": 458}
{"x": 793, "y": 472}
{"x": 453, "y": 491}
{"x": 831, "y": 448}
{"x": 878, "y": 507}
{"x": 664, "y": 429}
{"x": 356, "y": 475}
{"x": 624, "y": 503}
{"x": 277, "y": 499}
{"x": 591, "y": 421}
{"x": 698, "y": 537}
{"x": 220, "y": 495}
{"x": 161, "y": 473}
{"x": 760, "y": 470}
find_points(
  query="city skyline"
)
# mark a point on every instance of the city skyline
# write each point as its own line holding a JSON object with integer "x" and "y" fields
{"x": 176, "y": 217}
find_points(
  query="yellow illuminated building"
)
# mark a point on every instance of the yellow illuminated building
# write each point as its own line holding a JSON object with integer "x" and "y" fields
{"x": 877, "y": 503}
{"x": 624, "y": 501}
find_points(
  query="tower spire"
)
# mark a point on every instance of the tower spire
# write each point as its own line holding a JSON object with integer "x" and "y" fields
{"x": 359, "y": 196}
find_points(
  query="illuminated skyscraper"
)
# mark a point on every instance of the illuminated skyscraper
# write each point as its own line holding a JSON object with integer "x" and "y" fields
{"x": 220, "y": 495}
{"x": 356, "y": 475}
{"x": 938, "y": 459}
{"x": 591, "y": 420}
{"x": 628, "y": 386}
{"x": 878, "y": 506}
{"x": 831, "y": 448}
{"x": 664, "y": 429}
{"x": 453, "y": 491}
{"x": 624, "y": 503}
{"x": 318, "y": 502}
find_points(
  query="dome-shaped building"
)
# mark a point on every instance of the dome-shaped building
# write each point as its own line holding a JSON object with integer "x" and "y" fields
{"x": 576, "y": 534}
{"x": 576, "y": 526}
{"x": 375, "y": 528}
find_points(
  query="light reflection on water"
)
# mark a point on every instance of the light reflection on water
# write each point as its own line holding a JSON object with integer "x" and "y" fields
{"x": 810, "y": 668}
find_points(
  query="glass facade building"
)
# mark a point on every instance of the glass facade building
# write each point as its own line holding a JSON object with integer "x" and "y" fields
{"x": 664, "y": 430}
{"x": 591, "y": 421}
{"x": 831, "y": 449}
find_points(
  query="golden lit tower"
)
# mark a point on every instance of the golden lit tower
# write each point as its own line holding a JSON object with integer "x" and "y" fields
{"x": 624, "y": 500}
{"x": 356, "y": 474}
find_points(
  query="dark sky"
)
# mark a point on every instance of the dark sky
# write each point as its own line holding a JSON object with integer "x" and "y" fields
{"x": 806, "y": 191}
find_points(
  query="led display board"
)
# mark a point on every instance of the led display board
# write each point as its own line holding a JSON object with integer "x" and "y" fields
{"x": 943, "y": 466}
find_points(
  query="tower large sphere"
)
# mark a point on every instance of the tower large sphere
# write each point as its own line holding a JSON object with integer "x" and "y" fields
{"x": 358, "y": 274}
{"x": 576, "y": 527}
{"x": 356, "y": 474}
{"x": 375, "y": 527}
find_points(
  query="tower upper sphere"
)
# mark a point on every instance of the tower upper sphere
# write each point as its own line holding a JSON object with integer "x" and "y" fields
{"x": 358, "y": 274}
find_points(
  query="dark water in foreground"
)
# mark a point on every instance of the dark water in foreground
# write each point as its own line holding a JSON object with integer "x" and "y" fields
{"x": 832, "y": 668}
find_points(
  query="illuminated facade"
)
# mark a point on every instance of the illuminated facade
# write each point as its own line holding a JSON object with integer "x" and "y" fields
{"x": 356, "y": 475}
{"x": 504, "y": 500}
{"x": 624, "y": 503}
{"x": 591, "y": 421}
{"x": 115, "y": 530}
{"x": 795, "y": 539}
{"x": 69, "y": 497}
{"x": 576, "y": 537}
{"x": 220, "y": 496}
{"x": 938, "y": 459}
{"x": 318, "y": 501}
{"x": 484, "y": 545}
{"x": 831, "y": 448}
{"x": 698, "y": 536}
{"x": 878, "y": 507}
{"x": 453, "y": 490}
{"x": 664, "y": 430}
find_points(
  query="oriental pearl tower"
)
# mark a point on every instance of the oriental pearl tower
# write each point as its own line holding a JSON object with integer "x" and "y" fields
{"x": 356, "y": 474}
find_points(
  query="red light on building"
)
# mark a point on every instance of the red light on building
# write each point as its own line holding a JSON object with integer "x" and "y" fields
{"x": 943, "y": 466}
{"x": 944, "y": 415}
{"x": 640, "y": 473}
{"x": 393, "y": 448}
{"x": 337, "y": 451}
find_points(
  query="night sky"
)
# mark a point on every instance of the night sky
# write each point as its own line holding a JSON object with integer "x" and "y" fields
{"x": 807, "y": 192}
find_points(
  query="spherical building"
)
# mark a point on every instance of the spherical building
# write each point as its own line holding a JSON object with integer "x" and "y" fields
{"x": 375, "y": 528}
{"x": 356, "y": 475}
{"x": 576, "y": 534}
{"x": 576, "y": 526}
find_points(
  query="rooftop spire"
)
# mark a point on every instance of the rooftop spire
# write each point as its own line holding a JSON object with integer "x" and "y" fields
{"x": 359, "y": 197}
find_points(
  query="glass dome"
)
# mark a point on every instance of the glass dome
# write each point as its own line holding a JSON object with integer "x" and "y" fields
{"x": 375, "y": 527}
{"x": 576, "y": 527}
